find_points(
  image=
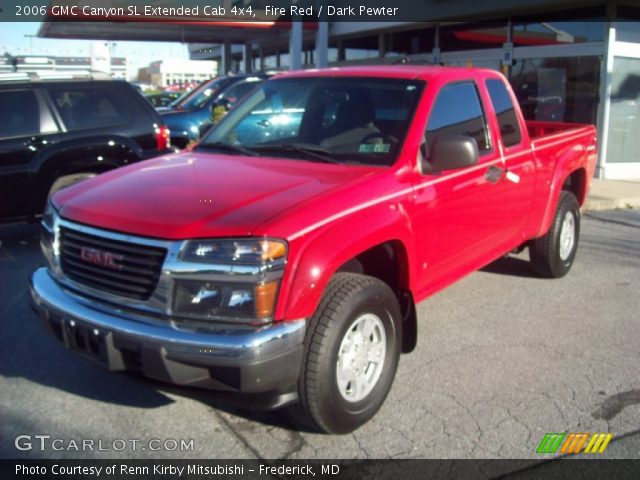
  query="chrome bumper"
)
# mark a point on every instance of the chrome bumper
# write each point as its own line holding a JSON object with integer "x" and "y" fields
{"x": 231, "y": 358}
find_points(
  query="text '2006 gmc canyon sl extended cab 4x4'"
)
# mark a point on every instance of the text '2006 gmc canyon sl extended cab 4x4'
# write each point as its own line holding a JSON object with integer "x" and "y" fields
{"x": 284, "y": 254}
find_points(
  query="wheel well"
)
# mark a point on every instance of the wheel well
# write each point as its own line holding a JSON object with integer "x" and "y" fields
{"x": 575, "y": 183}
{"x": 388, "y": 262}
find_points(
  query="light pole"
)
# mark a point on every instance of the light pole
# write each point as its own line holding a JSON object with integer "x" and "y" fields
{"x": 30, "y": 37}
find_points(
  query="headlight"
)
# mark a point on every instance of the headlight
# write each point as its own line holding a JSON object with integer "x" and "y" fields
{"x": 253, "y": 251}
{"x": 225, "y": 301}
{"x": 238, "y": 279}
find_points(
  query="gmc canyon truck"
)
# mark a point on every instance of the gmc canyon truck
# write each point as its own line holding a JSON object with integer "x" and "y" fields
{"x": 282, "y": 257}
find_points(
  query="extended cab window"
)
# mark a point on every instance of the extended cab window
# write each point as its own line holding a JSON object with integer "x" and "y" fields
{"x": 506, "y": 114}
{"x": 20, "y": 114}
{"x": 458, "y": 111}
{"x": 92, "y": 107}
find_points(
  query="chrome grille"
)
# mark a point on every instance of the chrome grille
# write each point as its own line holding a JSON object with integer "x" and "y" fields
{"x": 121, "y": 268}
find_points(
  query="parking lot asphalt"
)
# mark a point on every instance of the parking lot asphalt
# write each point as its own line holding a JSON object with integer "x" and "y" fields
{"x": 503, "y": 357}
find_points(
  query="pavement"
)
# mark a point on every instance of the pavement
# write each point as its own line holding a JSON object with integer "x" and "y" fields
{"x": 613, "y": 194}
{"x": 503, "y": 357}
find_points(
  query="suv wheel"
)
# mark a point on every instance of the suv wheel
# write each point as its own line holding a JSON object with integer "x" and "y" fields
{"x": 352, "y": 349}
{"x": 552, "y": 254}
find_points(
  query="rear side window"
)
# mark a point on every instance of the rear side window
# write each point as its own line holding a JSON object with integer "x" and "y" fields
{"x": 458, "y": 111}
{"x": 90, "y": 107}
{"x": 507, "y": 118}
{"x": 238, "y": 91}
{"x": 19, "y": 114}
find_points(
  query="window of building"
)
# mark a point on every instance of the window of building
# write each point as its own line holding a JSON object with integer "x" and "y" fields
{"x": 558, "y": 32}
{"x": 83, "y": 108}
{"x": 623, "y": 145}
{"x": 563, "y": 89}
{"x": 20, "y": 114}
{"x": 505, "y": 112}
{"x": 458, "y": 111}
{"x": 627, "y": 31}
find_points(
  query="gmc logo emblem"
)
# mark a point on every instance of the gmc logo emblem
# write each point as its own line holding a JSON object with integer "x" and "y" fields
{"x": 101, "y": 258}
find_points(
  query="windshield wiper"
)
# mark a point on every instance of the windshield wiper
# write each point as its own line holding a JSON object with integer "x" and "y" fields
{"x": 315, "y": 151}
{"x": 228, "y": 147}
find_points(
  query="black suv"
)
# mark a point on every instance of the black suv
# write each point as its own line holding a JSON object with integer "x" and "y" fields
{"x": 59, "y": 128}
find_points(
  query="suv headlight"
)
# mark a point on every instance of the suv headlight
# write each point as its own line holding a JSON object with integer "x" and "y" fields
{"x": 229, "y": 279}
{"x": 48, "y": 216}
{"x": 50, "y": 237}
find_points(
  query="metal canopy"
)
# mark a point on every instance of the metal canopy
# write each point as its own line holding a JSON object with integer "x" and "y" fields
{"x": 211, "y": 32}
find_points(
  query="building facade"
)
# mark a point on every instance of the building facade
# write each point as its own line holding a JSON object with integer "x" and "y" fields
{"x": 563, "y": 66}
{"x": 166, "y": 73}
{"x": 568, "y": 60}
{"x": 49, "y": 63}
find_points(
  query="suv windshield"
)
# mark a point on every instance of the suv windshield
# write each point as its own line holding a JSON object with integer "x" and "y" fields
{"x": 199, "y": 95}
{"x": 328, "y": 119}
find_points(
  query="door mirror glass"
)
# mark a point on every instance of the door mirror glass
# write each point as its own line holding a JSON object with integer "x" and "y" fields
{"x": 448, "y": 152}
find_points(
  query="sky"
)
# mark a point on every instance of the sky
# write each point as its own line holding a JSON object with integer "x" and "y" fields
{"x": 138, "y": 54}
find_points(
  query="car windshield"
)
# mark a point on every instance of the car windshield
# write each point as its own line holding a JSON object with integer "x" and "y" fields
{"x": 328, "y": 119}
{"x": 197, "y": 97}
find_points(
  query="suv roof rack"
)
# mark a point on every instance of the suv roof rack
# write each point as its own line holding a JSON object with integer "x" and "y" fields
{"x": 54, "y": 75}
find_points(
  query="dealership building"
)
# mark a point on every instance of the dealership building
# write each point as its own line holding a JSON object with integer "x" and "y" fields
{"x": 567, "y": 60}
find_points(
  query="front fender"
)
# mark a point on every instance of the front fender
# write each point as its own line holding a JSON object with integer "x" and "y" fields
{"x": 316, "y": 256}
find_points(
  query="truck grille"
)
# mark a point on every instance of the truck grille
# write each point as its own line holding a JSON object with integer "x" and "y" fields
{"x": 121, "y": 268}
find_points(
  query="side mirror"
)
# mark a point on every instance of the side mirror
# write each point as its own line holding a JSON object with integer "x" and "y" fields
{"x": 448, "y": 152}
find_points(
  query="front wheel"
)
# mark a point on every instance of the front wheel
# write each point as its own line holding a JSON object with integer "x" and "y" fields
{"x": 552, "y": 254}
{"x": 352, "y": 349}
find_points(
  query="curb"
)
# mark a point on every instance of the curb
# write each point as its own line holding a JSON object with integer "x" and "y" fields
{"x": 595, "y": 203}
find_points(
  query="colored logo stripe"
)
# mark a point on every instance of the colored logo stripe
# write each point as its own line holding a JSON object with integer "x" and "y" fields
{"x": 574, "y": 442}
{"x": 550, "y": 443}
{"x": 598, "y": 442}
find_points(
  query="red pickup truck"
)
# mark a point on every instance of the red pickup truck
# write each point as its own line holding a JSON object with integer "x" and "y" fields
{"x": 282, "y": 257}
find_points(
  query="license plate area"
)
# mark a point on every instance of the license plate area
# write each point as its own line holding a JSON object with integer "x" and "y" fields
{"x": 85, "y": 340}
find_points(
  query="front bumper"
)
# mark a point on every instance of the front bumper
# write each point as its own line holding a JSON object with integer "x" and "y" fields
{"x": 231, "y": 359}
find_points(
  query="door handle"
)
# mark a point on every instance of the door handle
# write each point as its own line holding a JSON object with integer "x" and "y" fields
{"x": 494, "y": 174}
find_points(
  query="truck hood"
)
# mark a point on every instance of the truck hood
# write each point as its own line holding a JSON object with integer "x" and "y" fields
{"x": 197, "y": 195}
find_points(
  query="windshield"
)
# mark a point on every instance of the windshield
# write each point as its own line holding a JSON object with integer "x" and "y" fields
{"x": 197, "y": 97}
{"x": 331, "y": 119}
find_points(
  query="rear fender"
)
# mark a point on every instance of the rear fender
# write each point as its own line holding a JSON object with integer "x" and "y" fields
{"x": 570, "y": 161}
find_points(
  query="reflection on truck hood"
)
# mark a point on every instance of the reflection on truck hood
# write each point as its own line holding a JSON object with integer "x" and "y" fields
{"x": 195, "y": 195}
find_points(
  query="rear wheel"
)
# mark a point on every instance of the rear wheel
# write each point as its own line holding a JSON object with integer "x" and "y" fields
{"x": 552, "y": 255}
{"x": 352, "y": 349}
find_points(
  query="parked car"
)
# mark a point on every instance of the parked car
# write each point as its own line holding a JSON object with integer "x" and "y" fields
{"x": 193, "y": 113}
{"x": 56, "y": 129}
{"x": 162, "y": 99}
{"x": 289, "y": 265}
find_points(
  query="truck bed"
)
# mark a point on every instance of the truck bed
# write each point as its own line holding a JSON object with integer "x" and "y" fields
{"x": 538, "y": 129}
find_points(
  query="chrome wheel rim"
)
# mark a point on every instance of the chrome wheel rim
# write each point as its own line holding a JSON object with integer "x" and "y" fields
{"x": 567, "y": 235}
{"x": 361, "y": 357}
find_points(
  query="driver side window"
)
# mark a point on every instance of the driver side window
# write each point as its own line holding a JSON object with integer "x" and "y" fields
{"x": 458, "y": 111}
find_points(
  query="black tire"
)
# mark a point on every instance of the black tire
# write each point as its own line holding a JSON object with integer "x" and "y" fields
{"x": 548, "y": 258}
{"x": 347, "y": 300}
